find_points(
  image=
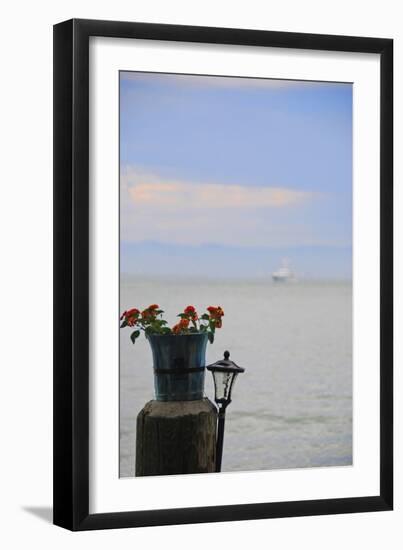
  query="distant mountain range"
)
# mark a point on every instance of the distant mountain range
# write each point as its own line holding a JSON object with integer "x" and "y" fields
{"x": 214, "y": 261}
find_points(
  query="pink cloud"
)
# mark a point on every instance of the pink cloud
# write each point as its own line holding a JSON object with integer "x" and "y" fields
{"x": 146, "y": 189}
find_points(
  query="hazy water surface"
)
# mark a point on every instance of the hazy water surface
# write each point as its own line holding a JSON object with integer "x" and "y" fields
{"x": 292, "y": 407}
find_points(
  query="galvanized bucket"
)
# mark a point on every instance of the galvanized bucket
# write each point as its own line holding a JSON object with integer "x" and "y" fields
{"x": 179, "y": 366}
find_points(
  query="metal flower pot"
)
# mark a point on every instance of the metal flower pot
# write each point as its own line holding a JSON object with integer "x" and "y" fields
{"x": 179, "y": 366}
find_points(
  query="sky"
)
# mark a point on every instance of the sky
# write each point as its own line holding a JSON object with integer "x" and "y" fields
{"x": 236, "y": 171}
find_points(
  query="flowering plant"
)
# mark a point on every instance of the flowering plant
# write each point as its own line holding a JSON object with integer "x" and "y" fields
{"x": 151, "y": 322}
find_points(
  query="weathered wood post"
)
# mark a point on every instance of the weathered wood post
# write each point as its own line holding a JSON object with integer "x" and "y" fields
{"x": 176, "y": 437}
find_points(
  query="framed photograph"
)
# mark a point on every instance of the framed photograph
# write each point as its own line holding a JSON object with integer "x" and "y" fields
{"x": 223, "y": 204}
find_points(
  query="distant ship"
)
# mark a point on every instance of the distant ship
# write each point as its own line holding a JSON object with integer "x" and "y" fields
{"x": 283, "y": 274}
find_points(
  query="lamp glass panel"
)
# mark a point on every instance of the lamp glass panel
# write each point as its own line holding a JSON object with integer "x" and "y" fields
{"x": 234, "y": 377}
{"x": 222, "y": 382}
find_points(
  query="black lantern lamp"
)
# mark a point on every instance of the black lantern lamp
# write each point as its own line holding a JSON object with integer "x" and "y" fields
{"x": 224, "y": 373}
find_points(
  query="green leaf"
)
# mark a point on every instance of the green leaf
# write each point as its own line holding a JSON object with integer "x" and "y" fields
{"x": 182, "y": 315}
{"x": 211, "y": 337}
{"x": 203, "y": 328}
{"x": 124, "y": 324}
{"x": 205, "y": 317}
{"x": 134, "y": 335}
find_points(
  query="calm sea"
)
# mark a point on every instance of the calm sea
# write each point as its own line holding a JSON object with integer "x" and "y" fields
{"x": 292, "y": 408}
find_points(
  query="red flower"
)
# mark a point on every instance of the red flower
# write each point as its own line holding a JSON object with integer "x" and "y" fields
{"x": 131, "y": 321}
{"x": 191, "y": 312}
{"x": 150, "y": 312}
{"x": 176, "y": 329}
{"x": 179, "y": 327}
{"x": 130, "y": 313}
{"x": 216, "y": 312}
{"x": 133, "y": 312}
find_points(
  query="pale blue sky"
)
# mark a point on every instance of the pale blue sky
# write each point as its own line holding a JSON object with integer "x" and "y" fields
{"x": 257, "y": 169}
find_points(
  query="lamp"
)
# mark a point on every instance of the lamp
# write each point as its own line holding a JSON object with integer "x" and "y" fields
{"x": 224, "y": 374}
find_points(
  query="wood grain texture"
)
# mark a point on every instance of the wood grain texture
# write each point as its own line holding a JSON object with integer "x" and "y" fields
{"x": 177, "y": 437}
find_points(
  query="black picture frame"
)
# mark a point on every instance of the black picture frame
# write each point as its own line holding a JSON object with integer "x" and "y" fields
{"x": 72, "y": 285}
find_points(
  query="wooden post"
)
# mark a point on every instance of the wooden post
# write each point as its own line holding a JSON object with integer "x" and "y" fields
{"x": 176, "y": 437}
